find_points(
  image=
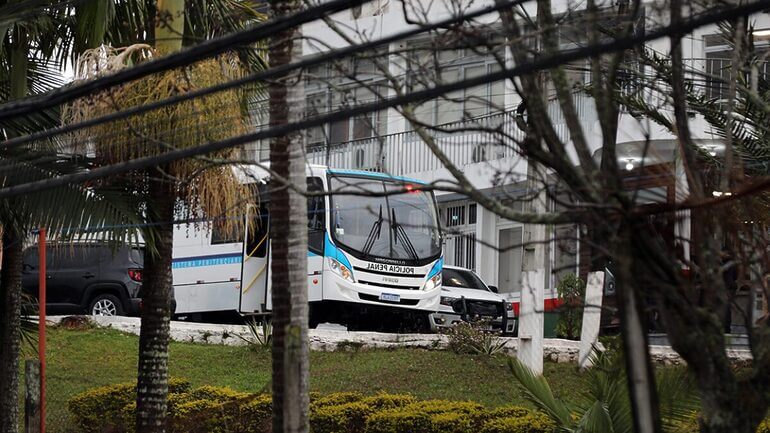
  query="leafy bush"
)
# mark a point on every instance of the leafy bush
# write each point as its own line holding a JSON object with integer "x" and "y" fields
{"x": 348, "y": 417}
{"x": 399, "y": 420}
{"x": 260, "y": 334}
{"x": 531, "y": 423}
{"x": 473, "y": 338}
{"x": 572, "y": 291}
{"x": 508, "y": 412}
{"x": 764, "y": 426}
{"x": 389, "y": 401}
{"x": 96, "y": 409}
{"x": 223, "y": 410}
{"x": 336, "y": 398}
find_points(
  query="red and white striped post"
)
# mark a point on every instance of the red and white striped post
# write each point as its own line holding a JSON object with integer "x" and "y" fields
{"x": 41, "y": 323}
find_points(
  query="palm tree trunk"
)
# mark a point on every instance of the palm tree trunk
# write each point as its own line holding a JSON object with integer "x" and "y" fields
{"x": 157, "y": 287}
{"x": 152, "y": 376}
{"x": 10, "y": 280}
{"x": 288, "y": 214}
{"x": 10, "y": 336}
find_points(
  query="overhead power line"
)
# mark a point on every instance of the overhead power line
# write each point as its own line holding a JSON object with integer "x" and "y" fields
{"x": 305, "y": 63}
{"x": 541, "y": 63}
{"x": 210, "y": 48}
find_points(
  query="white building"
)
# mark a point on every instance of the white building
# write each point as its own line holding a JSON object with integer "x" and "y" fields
{"x": 384, "y": 141}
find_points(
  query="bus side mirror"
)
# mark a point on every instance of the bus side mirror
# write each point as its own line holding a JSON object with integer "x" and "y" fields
{"x": 494, "y": 289}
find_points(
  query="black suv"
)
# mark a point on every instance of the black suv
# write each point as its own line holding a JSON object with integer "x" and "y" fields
{"x": 93, "y": 277}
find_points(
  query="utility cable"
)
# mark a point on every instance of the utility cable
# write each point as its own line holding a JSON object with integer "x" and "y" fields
{"x": 541, "y": 63}
{"x": 257, "y": 76}
{"x": 187, "y": 56}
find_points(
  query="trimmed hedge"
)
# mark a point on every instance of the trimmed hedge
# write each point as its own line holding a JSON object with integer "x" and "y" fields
{"x": 97, "y": 410}
{"x": 223, "y": 410}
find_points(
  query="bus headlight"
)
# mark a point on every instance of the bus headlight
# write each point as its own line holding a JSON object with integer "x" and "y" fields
{"x": 432, "y": 283}
{"x": 341, "y": 270}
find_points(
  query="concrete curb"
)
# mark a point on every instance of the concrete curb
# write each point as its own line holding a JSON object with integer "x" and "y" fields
{"x": 323, "y": 339}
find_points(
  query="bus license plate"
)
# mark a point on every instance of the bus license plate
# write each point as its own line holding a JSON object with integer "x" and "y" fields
{"x": 390, "y": 297}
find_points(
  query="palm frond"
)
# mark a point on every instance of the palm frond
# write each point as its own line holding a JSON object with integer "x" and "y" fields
{"x": 677, "y": 395}
{"x": 596, "y": 419}
{"x": 73, "y": 210}
{"x": 538, "y": 392}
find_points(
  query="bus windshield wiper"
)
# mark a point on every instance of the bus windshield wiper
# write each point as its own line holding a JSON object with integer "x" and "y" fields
{"x": 374, "y": 233}
{"x": 400, "y": 232}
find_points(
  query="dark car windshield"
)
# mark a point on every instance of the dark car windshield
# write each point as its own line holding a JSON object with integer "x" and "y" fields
{"x": 399, "y": 226}
{"x": 463, "y": 279}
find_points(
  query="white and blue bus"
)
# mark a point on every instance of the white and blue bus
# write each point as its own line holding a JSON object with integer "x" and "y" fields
{"x": 374, "y": 253}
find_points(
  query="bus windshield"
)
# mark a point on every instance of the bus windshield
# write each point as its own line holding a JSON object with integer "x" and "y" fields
{"x": 401, "y": 226}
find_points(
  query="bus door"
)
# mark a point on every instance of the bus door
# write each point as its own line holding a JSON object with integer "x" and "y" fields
{"x": 256, "y": 267}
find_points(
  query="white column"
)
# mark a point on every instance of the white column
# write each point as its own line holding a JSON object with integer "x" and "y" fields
{"x": 486, "y": 244}
{"x": 589, "y": 333}
{"x": 532, "y": 306}
{"x": 531, "y": 320}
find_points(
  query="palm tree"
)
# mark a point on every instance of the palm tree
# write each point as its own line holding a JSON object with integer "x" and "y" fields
{"x": 197, "y": 188}
{"x": 27, "y": 68}
{"x": 606, "y": 406}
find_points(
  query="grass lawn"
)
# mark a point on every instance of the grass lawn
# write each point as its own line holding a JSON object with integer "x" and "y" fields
{"x": 79, "y": 360}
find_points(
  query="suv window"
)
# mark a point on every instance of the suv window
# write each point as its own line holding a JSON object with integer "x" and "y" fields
{"x": 69, "y": 256}
{"x": 464, "y": 279}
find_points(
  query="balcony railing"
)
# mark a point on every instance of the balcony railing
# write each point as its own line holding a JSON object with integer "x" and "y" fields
{"x": 466, "y": 142}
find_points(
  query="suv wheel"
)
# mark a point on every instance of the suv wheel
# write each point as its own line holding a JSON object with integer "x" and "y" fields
{"x": 105, "y": 305}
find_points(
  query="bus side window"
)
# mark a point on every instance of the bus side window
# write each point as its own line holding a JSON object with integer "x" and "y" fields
{"x": 315, "y": 215}
{"x": 221, "y": 236}
{"x": 260, "y": 225}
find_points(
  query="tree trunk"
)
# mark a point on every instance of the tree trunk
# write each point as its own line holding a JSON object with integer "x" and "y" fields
{"x": 157, "y": 287}
{"x": 10, "y": 338}
{"x": 288, "y": 214}
{"x": 152, "y": 377}
{"x": 639, "y": 371}
{"x": 10, "y": 280}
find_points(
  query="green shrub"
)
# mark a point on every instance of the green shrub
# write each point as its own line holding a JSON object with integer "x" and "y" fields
{"x": 257, "y": 414}
{"x": 97, "y": 409}
{"x": 531, "y": 423}
{"x": 389, "y": 401}
{"x": 347, "y": 412}
{"x": 217, "y": 393}
{"x": 764, "y": 427}
{"x": 508, "y": 412}
{"x": 572, "y": 291}
{"x": 335, "y": 399}
{"x": 453, "y": 422}
{"x": 400, "y": 420}
{"x": 348, "y": 417}
{"x": 466, "y": 337}
{"x": 210, "y": 409}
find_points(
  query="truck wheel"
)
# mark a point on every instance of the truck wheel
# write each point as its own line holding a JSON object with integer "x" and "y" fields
{"x": 105, "y": 305}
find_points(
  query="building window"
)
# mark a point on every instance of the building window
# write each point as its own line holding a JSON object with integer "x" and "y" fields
{"x": 719, "y": 69}
{"x": 455, "y": 216}
{"x": 460, "y": 236}
{"x": 472, "y": 213}
{"x": 460, "y": 250}
{"x": 427, "y": 66}
{"x": 330, "y": 90}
